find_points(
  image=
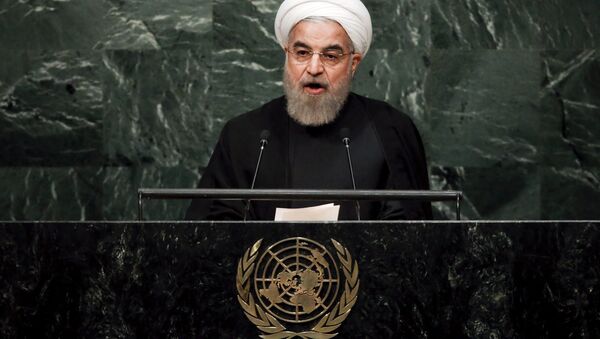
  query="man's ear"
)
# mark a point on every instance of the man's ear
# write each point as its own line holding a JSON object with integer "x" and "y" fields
{"x": 356, "y": 59}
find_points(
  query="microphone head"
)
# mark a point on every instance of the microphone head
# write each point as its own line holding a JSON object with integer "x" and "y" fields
{"x": 345, "y": 134}
{"x": 264, "y": 135}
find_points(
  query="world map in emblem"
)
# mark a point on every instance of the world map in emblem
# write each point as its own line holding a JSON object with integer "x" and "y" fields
{"x": 296, "y": 280}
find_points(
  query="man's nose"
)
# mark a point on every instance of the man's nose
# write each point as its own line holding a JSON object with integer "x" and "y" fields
{"x": 315, "y": 66}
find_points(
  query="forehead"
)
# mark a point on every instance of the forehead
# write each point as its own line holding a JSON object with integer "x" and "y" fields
{"x": 319, "y": 34}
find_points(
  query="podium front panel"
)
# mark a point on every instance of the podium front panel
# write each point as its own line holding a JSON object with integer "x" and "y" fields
{"x": 413, "y": 279}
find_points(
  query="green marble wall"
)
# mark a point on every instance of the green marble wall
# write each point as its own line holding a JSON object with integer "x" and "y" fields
{"x": 100, "y": 97}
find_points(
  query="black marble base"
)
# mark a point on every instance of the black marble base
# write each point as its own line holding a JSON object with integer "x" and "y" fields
{"x": 418, "y": 280}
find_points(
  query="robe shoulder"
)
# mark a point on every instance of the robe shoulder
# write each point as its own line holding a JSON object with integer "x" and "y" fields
{"x": 234, "y": 158}
{"x": 403, "y": 149}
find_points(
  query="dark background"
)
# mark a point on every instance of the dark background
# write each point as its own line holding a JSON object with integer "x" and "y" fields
{"x": 101, "y": 97}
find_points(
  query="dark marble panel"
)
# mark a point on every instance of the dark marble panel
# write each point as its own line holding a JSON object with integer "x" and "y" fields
{"x": 247, "y": 60}
{"x": 398, "y": 79}
{"x": 243, "y": 80}
{"x": 267, "y": 7}
{"x": 51, "y": 112}
{"x": 158, "y": 24}
{"x": 244, "y": 25}
{"x": 437, "y": 280}
{"x": 120, "y": 186}
{"x": 51, "y": 193}
{"x": 400, "y": 24}
{"x": 46, "y": 25}
{"x": 484, "y": 107}
{"x": 505, "y": 24}
{"x": 570, "y": 193}
{"x": 569, "y": 24}
{"x": 15, "y": 64}
{"x": 156, "y": 107}
{"x": 488, "y": 24}
{"x": 570, "y": 131}
{"x": 496, "y": 193}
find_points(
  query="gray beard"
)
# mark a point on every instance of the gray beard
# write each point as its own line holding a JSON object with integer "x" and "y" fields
{"x": 315, "y": 110}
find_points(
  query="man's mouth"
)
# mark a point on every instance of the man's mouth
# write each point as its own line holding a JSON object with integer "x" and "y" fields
{"x": 314, "y": 88}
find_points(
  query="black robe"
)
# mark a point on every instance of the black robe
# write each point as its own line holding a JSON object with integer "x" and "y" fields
{"x": 387, "y": 153}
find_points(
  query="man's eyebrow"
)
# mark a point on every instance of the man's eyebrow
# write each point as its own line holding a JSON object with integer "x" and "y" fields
{"x": 300, "y": 44}
{"x": 334, "y": 47}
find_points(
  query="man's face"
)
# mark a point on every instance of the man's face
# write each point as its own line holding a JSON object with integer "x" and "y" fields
{"x": 316, "y": 91}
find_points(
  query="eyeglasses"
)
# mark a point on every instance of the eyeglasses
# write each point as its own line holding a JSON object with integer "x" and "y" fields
{"x": 328, "y": 58}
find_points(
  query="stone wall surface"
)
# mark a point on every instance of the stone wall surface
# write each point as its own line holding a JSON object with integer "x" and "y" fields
{"x": 101, "y": 97}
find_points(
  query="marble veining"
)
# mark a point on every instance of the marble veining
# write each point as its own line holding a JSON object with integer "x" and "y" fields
{"x": 135, "y": 92}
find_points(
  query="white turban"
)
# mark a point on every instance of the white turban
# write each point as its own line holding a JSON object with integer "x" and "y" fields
{"x": 352, "y": 15}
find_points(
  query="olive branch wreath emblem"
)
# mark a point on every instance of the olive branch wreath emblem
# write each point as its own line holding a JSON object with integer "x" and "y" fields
{"x": 270, "y": 326}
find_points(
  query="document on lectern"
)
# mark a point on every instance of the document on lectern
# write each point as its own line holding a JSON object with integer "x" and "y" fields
{"x": 326, "y": 212}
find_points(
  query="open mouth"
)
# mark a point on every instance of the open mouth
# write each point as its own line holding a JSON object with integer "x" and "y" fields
{"x": 314, "y": 88}
{"x": 314, "y": 85}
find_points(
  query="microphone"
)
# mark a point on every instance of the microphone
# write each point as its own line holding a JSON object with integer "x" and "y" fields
{"x": 345, "y": 134}
{"x": 264, "y": 140}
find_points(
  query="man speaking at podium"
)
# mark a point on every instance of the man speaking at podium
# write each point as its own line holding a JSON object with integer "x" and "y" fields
{"x": 306, "y": 133}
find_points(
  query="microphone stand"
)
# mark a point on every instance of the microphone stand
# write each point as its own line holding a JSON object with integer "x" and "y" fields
{"x": 263, "y": 143}
{"x": 346, "y": 142}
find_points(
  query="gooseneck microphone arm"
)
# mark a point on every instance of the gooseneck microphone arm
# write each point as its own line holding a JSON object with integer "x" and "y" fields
{"x": 264, "y": 140}
{"x": 263, "y": 143}
{"x": 346, "y": 140}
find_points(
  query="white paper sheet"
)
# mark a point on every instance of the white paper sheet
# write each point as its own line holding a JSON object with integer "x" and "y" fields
{"x": 326, "y": 212}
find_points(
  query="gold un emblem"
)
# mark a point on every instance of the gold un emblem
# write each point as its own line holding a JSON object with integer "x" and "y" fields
{"x": 296, "y": 283}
